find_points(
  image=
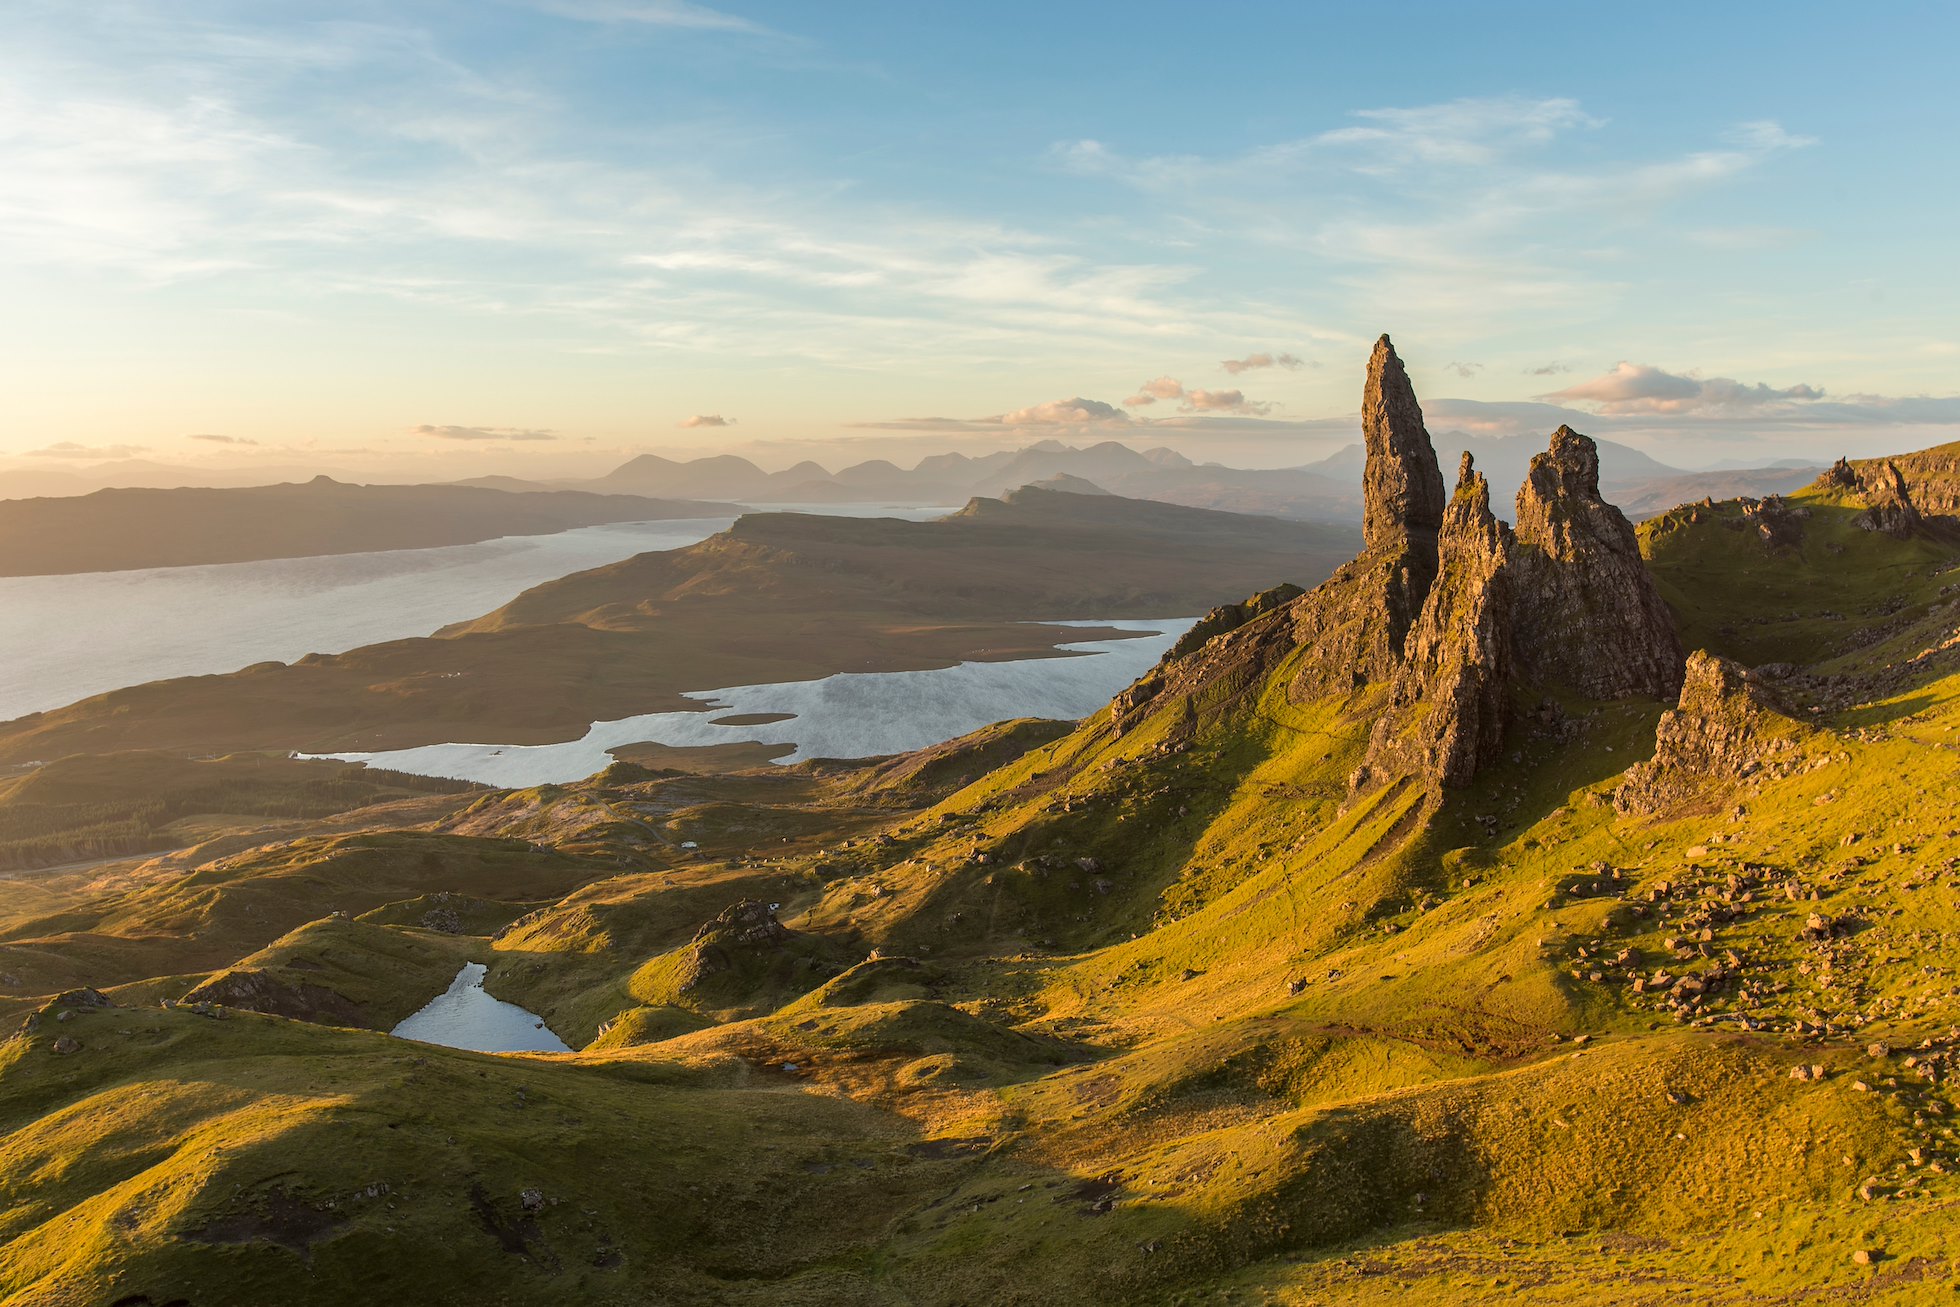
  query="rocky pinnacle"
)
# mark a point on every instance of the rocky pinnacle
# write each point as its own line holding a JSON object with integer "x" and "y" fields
{"x": 1588, "y": 614}
{"x": 1402, "y": 487}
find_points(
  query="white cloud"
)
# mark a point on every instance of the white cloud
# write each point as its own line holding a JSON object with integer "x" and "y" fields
{"x": 1065, "y": 412}
{"x": 1222, "y": 401}
{"x": 482, "y": 433}
{"x": 1455, "y": 215}
{"x": 1152, "y": 391}
{"x": 1766, "y": 134}
{"x": 1252, "y": 362}
{"x": 210, "y": 438}
{"x": 706, "y": 420}
{"x": 1640, "y": 388}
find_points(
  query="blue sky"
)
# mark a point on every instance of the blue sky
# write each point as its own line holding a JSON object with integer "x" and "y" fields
{"x": 538, "y": 234}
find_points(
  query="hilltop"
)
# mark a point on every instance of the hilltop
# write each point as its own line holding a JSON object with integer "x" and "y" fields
{"x": 777, "y": 597}
{"x": 113, "y": 530}
{"x": 1548, "y": 910}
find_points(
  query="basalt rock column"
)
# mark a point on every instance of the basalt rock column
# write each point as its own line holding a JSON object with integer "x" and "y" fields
{"x": 1588, "y": 615}
{"x": 1356, "y": 622}
{"x": 1450, "y": 701}
{"x": 1401, "y": 487}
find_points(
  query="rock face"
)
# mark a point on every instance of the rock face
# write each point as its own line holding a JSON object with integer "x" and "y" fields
{"x": 1588, "y": 615}
{"x": 1450, "y": 701}
{"x": 1717, "y": 735}
{"x": 1906, "y": 494}
{"x": 1890, "y": 498}
{"x": 252, "y": 990}
{"x": 1356, "y": 622}
{"x": 743, "y": 930}
{"x": 1230, "y": 617}
{"x": 1446, "y": 613}
{"x": 1401, "y": 487}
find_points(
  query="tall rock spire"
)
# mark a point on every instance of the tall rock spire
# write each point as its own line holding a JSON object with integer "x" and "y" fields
{"x": 1402, "y": 487}
{"x": 1357, "y": 621}
{"x": 1450, "y": 702}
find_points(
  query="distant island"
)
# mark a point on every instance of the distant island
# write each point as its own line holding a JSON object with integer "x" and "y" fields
{"x": 117, "y": 530}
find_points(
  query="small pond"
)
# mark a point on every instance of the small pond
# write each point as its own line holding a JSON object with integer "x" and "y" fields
{"x": 464, "y": 1016}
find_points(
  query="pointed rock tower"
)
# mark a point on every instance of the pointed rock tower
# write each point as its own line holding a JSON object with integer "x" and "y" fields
{"x": 1402, "y": 486}
{"x": 1450, "y": 702}
{"x": 1357, "y": 622}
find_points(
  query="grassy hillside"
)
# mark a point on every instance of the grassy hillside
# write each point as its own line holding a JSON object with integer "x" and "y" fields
{"x": 111, "y": 805}
{"x": 1163, "y": 1008}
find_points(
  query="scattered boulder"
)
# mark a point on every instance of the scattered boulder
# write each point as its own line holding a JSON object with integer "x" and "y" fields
{"x": 252, "y": 990}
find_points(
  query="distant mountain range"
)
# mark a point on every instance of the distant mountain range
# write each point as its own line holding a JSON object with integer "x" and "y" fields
{"x": 1327, "y": 490}
{"x": 115, "y": 530}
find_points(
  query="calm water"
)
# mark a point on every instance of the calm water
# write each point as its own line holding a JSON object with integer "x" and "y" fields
{"x": 63, "y": 638}
{"x": 849, "y": 715}
{"x": 464, "y": 1016}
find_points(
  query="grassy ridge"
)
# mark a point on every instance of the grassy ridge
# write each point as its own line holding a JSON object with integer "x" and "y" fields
{"x": 1156, "y": 1010}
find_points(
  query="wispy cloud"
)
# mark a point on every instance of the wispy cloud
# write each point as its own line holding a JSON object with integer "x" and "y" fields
{"x": 1195, "y": 400}
{"x": 705, "y": 420}
{"x": 214, "y": 439}
{"x": 1455, "y": 215}
{"x": 651, "y": 13}
{"x": 1640, "y": 388}
{"x": 74, "y": 449}
{"x": 1253, "y": 362}
{"x": 482, "y": 433}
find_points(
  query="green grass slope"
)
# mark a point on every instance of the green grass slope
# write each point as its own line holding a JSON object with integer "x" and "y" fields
{"x": 1157, "y": 1010}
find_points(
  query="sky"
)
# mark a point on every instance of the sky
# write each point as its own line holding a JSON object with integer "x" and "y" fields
{"x": 537, "y": 236}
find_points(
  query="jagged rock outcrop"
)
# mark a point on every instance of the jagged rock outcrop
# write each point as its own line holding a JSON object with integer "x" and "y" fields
{"x": 1230, "y": 617}
{"x": 253, "y": 990}
{"x": 1450, "y": 702}
{"x": 1715, "y": 736}
{"x": 1446, "y": 610}
{"x": 1889, "y": 503}
{"x": 1588, "y": 614}
{"x": 742, "y": 930}
{"x": 1904, "y": 495}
